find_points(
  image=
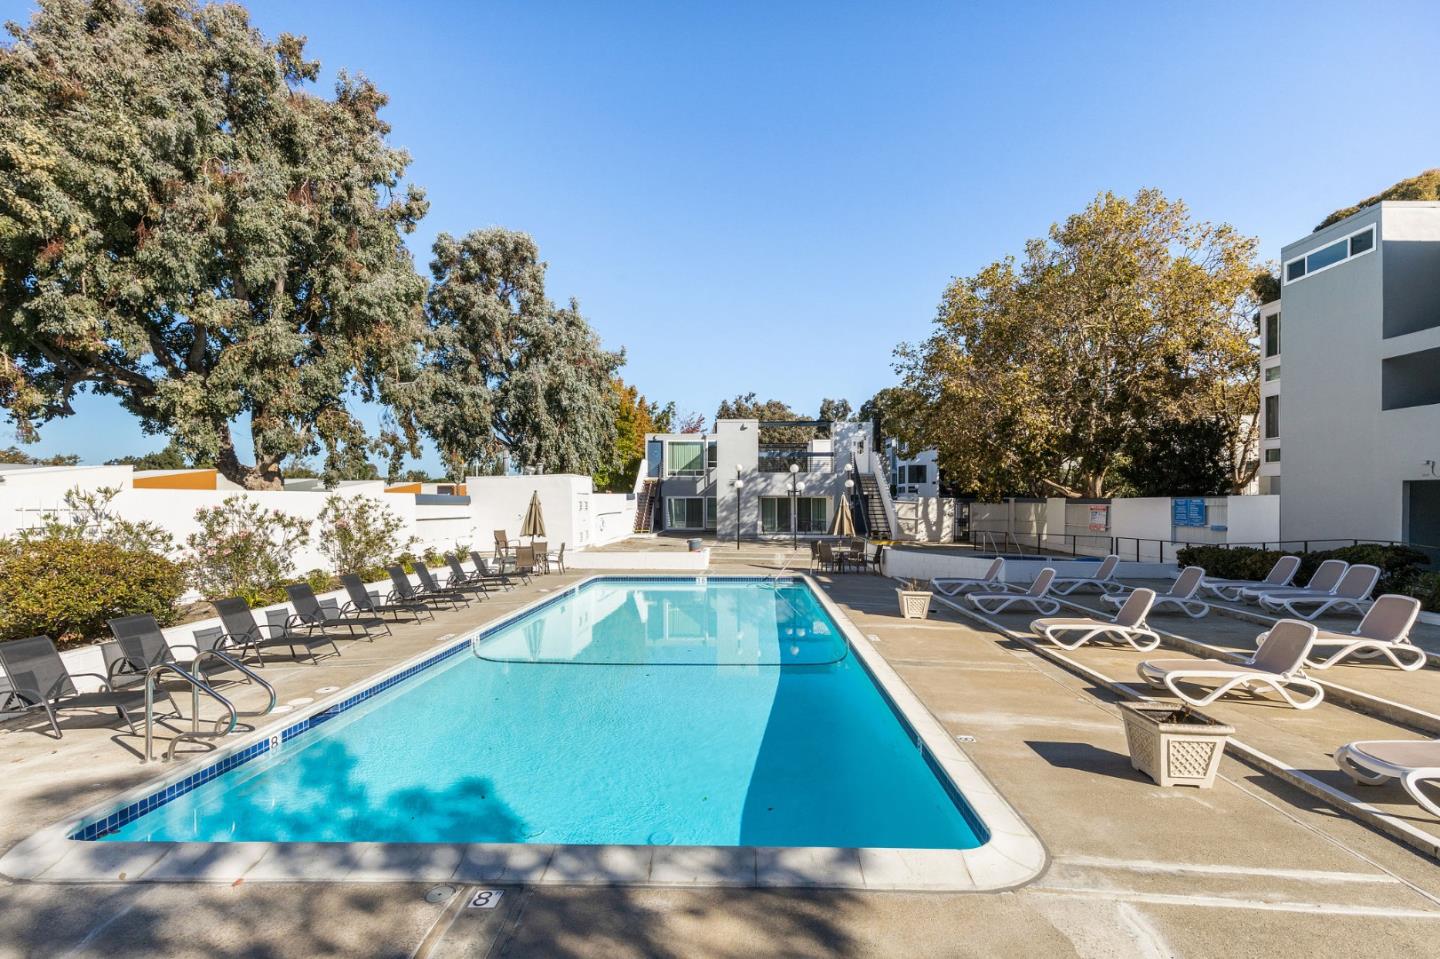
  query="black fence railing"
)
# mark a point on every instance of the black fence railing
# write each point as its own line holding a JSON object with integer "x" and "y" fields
{"x": 1143, "y": 550}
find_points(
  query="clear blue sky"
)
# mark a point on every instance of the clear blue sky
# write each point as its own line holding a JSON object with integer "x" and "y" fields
{"x": 770, "y": 196}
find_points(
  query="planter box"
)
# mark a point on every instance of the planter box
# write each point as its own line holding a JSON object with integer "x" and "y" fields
{"x": 914, "y": 603}
{"x": 1173, "y": 744}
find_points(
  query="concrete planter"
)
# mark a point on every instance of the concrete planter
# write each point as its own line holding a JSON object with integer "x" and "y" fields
{"x": 1174, "y": 745}
{"x": 914, "y": 603}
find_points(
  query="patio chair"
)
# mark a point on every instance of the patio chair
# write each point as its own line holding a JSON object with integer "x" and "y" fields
{"x": 542, "y": 554}
{"x": 1374, "y": 761}
{"x": 39, "y": 680}
{"x": 1279, "y": 577}
{"x": 483, "y": 571}
{"x": 317, "y": 617}
{"x": 556, "y": 558}
{"x": 525, "y": 565}
{"x": 1037, "y": 597}
{"x": 1279, "y": 663}
{"x": 1351, "y": 594}
{"x": 1102, "y": 579}
{"x": 1181, "y": 596}
{"x": 992, "y": 581}
{"x": 406, "y": 591}
{"x": 243, "y": 632}
{"x": 1128, "y": 625}
{"x": 1326, "y": 576}
{"x": 362, "y": 602}
{"x": 142, "y": 645}
{"x": 431, "y": 585}
{"x": 1385, "y": 631}
{"x": 827, "y": 559}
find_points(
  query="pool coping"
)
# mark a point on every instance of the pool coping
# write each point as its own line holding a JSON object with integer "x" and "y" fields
{"x": 1012, "y": 856}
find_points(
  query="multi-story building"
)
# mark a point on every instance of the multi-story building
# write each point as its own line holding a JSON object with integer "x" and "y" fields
{"x": 1361, "y": 425}
{"x": 730, "y": 483}
{"x": 917, "y": 475}
{"x": 1269, "y": 474}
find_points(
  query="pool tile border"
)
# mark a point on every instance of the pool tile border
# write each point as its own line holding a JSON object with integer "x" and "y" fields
{"x": 1011, "y": 855}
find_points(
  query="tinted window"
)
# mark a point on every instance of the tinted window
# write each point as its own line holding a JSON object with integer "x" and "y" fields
{"x": 1326, "y": 256}
{"x": 1293, "y": 271}
{"x": 1361, "y": 242}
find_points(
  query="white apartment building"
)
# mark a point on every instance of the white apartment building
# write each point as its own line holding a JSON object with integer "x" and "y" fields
{"x": 918, "y": 475}
{"x": 1361, "y": 425}
{"x": 1269, "y": 474}
{"x": 729, "y": 483}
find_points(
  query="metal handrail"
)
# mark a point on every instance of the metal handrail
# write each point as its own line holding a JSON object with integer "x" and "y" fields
{"x": 196, "y": 687}
{"x": 236, "y": 664}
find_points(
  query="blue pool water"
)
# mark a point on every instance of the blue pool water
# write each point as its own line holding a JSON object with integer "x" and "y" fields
{"x": 727, "y": 712}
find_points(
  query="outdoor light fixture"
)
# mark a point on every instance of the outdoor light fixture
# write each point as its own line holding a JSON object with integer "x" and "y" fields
{"x": 738, "y": 485}
{"x": 794, "y": 505}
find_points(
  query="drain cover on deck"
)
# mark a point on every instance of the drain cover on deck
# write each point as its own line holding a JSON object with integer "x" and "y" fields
{"x": 327, "y": 689}
{"x": 439, "y": 894}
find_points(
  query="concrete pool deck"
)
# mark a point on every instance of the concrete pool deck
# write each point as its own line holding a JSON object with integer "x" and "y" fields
{"x": 1251, "y": 867}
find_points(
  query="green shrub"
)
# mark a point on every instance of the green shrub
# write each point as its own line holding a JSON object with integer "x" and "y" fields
{"x": 358, "y": 534}
{"x": 67, "y": 587}
{"x": 245, "y": 550}
{"x": 321, "y": 581}
{"x": 1399, "y": 565}
{"x": 1426, "y": 588}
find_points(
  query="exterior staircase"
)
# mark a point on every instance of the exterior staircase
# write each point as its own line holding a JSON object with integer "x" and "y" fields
{"x": 645, "y": 507}
{"x": 875, "y": 519}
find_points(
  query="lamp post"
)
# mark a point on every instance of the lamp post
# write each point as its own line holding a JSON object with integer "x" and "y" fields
{"x": 794, "y": 505}
{"x": 738, "y": 485}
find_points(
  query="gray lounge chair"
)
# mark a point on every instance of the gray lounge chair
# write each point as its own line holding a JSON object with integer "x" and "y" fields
{"x": 244, "y": 633}
{"x": 362, "y": 602}
{"x": 39, "y": 680}
{"x": 1280, "y": 577}
{"x": 430, "y": 586}
{"x": 1385, "y": 631}
{"x": 1324, "y": 579}
{"x": 316, "y": 617}
{"x": 1279, "y": 663}
{"x": 460, "y": 576}
{"x": 1128, "y": 624}
{"x": 1352, "y": 594}
{"x": 993, "y": 581}
{"x": 1181, "y": 595}
{"x": 143, "y": 645}
{"x": 405, "y": 590}
{"x": 1102, "y": 579}
{"x": 1037, "y": 597}
{"x": 1413, "y": 762}
{"x": 483, "y": 571}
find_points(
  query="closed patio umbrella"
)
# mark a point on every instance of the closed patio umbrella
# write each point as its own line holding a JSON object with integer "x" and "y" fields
{"x": 844, "y": 523}
{"x": 534, "y": 524}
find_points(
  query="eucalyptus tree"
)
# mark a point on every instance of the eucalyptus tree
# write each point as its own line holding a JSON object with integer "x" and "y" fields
{"x": 504, "y": 371}
{"x": 188, "y": 226}
{"x": 1041, "y": 373}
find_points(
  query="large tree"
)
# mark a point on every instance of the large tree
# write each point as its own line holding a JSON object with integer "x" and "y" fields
{"x": 187, "y": 226}
{"x": 505, "y": 370}
{"x": 747, "y": 406}
{"x": 1041, "y": 373}
{"x": 635, "y": 416}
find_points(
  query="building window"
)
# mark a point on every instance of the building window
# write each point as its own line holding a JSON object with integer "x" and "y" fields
{"x": 710, "y": 512}
{"x": 686, "y": 459}
{"x": 685, "y": 512}
{"x": 1272, "y": 455}
{"x": 1272, "y": 373}
{"x": 811, "y": 514}
{"x": 917, "y": 473}
{"x": 714, "y": 455}
{"x": 774, "y": 514}
{"x": 1331, "y": 254}
{"x": 1272, "y": 335}
{"x": 1272, "y": 417}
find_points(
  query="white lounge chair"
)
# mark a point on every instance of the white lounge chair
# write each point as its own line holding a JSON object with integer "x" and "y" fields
{"x": 1181, "y": 595}
{"x": 1325, "y": 578}
{"x": 1372, "y": 762}
{"x": 1385, "y": 631}
{"x": 1102, "y": 579}
{"x": 993, "y": 580}
{"x": 1351, "y": 593}
{"x": 1279, "y": 663}
{"x": 1281, "y": 575}
{"x": 1036, "y": 597}
{"x": 1128, "y": 625}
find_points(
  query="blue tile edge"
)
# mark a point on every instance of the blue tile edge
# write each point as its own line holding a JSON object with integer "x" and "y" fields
{"x": 100, "y": 828}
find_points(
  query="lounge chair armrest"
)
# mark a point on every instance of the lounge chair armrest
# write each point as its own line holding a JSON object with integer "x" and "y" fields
{"x": 105, "y": 686}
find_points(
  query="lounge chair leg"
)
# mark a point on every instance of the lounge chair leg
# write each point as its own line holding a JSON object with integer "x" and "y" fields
{"x": 1412, "y": 780}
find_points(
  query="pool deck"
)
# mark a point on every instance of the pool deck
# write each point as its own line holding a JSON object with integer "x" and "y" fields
{"x": 1255, "y": 866}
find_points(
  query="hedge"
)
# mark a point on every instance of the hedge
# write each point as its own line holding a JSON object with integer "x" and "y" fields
{"x": 1400, "y": 566}
{"x": 68, "y": 588}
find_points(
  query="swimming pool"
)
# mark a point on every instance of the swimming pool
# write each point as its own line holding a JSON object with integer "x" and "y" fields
{"x": 717, "y": 713}
{"x": 658, "y": 730}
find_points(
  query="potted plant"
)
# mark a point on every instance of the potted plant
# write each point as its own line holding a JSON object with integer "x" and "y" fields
{"x": 1174, "y": 744}
{"x": 914, "y": 601}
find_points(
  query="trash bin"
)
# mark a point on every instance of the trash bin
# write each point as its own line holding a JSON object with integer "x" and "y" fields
{"x": 694, "y": 545}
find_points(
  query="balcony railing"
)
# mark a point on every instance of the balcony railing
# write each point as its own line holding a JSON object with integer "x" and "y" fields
{"x": 778, "y": 459}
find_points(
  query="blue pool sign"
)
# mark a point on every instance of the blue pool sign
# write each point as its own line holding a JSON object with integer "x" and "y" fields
{"x": 1187, "y": 512}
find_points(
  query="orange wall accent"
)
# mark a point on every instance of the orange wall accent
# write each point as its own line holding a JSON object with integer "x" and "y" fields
{"x": 185, "y": 479}
{"x": 403, "y": 488}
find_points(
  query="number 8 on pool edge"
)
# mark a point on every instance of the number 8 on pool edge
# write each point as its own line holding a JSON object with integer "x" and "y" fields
{"x": 486, "y": 899}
